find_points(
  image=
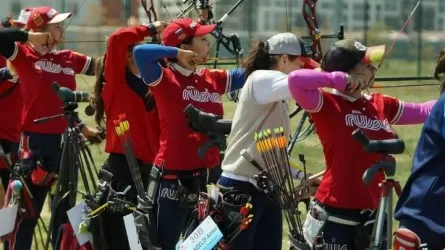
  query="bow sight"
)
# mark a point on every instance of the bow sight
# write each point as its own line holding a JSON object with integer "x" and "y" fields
{"x": 231, "y": 43}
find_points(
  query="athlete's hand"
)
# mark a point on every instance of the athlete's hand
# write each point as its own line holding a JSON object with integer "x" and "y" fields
{"x": 187, "y": 59}
{"x": 93, "y": 135}
{"x": 356, "y": 82}
{"x": 41, "y": 39}
{"x": 312, "y": 185}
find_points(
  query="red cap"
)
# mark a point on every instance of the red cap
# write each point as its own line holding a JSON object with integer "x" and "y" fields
{"x": 180, "y": 29}
{"x": 43, "y": 15}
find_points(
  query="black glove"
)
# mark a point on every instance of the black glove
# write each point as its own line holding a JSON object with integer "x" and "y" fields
{"x": 200, "y": 121}
{"x": 98, "y": 138}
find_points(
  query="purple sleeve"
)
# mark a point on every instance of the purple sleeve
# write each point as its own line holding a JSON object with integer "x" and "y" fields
{"x": 414, "y": 113}
{"x": 305, "y": 85}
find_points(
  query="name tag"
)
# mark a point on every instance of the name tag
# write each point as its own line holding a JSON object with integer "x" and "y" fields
{"x": 76, "y": 216}
{"x": 311, "y": 229}
{"x": 204, "y": 237}
{"x": 7, "y": 217}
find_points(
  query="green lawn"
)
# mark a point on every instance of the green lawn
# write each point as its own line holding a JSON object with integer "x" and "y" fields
{"x": 311, "y": 147}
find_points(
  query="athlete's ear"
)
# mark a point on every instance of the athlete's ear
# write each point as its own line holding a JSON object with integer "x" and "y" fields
{"x": 183, "y": 46}
{"x": 284, "y": 58}
{"x": 130, "y": 57}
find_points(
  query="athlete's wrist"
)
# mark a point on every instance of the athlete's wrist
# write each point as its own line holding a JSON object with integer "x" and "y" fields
{"x": 28, "y": 34}
{"x": 152, "y": 28}
{"x": 348, "y": 81}
{"x": 300, "y": 175}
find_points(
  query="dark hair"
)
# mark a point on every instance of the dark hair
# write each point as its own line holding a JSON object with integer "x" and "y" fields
{"x": 259, "y": 58}
{"x": 187, "y": 41}
{"x": 440, "y": 68}
{"x": 97, "y": 101}
{"x": 6, "y": 22}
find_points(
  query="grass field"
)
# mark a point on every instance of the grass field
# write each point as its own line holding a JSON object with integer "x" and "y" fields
{"x": 311, "y": 147}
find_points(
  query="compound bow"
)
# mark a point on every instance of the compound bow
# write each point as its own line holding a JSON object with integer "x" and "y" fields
{"x": 315, "y": 36}
{"x": 230, "y": 42}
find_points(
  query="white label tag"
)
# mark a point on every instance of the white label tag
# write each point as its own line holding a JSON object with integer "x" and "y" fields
{"x": 76, "y": 215}
{"x": 311, "y": 228}
{"x": 7, "y": 218}
{"x": 132, "y": 234}
{"x": 204, "y": 237}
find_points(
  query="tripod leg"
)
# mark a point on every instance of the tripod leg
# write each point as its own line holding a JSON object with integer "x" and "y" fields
{"x": 90, "y": 156}
{"x": 389, "y": 221}
{"x": 39, "y": 228}
{"x": 80, "y": 166}
{"x": 89, "y": 163}
{"x": 380, "y": 222}
{"x": 36, "y": 242}
{"x": 60, "y": 190}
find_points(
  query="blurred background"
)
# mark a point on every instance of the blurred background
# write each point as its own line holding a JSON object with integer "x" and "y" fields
{"x": 370, "y": 21}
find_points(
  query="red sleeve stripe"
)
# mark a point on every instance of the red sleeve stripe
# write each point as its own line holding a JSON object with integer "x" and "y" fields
{"x": 228, "y": 81}
{"x": 86, "y": 66}
{"x": 320, "y": 103}
{"x": 16, "y": 51}
{"x": 398, "y": 113}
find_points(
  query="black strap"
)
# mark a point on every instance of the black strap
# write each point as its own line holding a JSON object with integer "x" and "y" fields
{"x": 195, "y": 172}
{"x": 153, "y": 30}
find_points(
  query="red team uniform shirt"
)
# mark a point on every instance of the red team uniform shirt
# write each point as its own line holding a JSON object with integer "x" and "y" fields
{"x": 337, "y": 117}
{"x": 174, "y": 91}
{"x": 11, "y": 108}
{"x": 120, "y": 98}
{"x": 2, "y": 62}
{"x": 37, "y": 73}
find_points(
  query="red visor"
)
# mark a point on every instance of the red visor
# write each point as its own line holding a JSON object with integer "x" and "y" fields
{"x": 180, "y": 29}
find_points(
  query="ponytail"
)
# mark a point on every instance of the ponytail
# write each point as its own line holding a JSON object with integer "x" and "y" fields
{"x": 97, "y": 101}
{"x": 440, "y": 68}
{"x": 258, "y": 58}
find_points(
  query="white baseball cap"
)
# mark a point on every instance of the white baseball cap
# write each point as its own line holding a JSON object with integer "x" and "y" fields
{"x": 290, "y": 44}
{"x": 23, "y": 17}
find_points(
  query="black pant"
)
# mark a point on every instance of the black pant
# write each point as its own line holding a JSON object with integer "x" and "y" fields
{"x": 113, "y": 226}
{"x": 266, "y": 229}
{"x": 45, "y": 147}
{"x": 13, "y": 149}
{"x": 340, "y": 236}
{"x": 172, "y": 217}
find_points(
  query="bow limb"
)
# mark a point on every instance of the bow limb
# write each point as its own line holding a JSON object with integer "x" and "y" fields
{"x": 310, "y": 18}
{"x": 387, "y": 53}
{"x": 149, "y": 11}
{"x": 63, "y": 31}
{"x": 152, "y": 16}
{"x": 231, "y": 43}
